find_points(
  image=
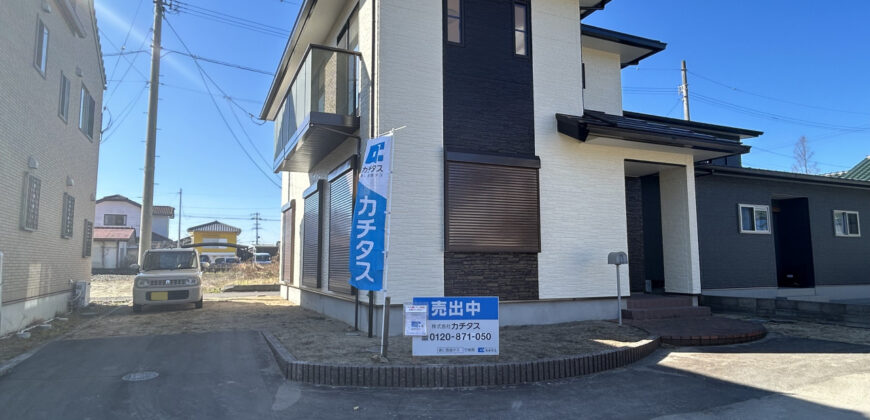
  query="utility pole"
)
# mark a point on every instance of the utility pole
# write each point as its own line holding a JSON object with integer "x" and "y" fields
{"x": 178, "y": 245}
{"x": 684, "y": 89}
{"x": 256, "y": 218}
{"x": 151, "y": 139}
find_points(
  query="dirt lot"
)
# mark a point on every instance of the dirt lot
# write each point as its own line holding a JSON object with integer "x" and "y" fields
{"x": 115, "y": 287}
{"x": 813, "y": 330}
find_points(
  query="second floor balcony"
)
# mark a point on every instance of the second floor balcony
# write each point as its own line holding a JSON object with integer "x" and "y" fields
{"x": 320, "y": 110}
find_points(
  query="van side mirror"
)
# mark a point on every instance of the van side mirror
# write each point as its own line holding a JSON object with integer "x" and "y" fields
{"x": 134, "y": 267}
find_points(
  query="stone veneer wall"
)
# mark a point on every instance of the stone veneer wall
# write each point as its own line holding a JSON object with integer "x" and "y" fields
{"x": 510, "y": 276}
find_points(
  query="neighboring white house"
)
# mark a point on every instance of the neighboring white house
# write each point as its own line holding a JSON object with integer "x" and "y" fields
{"x": 51, "y": 85}
{"x": 117, "y": 211}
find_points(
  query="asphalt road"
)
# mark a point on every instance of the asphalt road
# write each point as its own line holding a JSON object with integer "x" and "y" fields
{"x": 232, "y": 375}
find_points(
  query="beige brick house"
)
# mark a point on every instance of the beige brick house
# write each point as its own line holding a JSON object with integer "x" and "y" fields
{"x": 51, "y": 85}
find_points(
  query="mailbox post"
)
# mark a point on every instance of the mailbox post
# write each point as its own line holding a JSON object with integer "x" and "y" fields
{"x": 617, "y": 259}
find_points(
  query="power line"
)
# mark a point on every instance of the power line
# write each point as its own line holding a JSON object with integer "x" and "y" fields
{"x": 223, "y": 63}
{"x": 203, "y": 74}
{"x": 230, "y": 20}
{"x": 127, "y": 37}
{"x": 776, "y": 99}
{"x": 769, "y": 115}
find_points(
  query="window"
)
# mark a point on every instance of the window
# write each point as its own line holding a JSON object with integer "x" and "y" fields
{"x": 521, "y": 29}
{"x": 63, "y": 105}
{"x": 341, "y": 183}
{"x": 69, "y": 204}
{"x": 492, "y": 206}
{"x": 454, "y": 21}
{"x": 40, "y": 57}
{"x": 311, "y": 236}
{"x": 86, "y": 113}
{"x": 87, "y": 237}
{"x": 114, "y": 220}
{"x": 30, "y": 212}
{"x": 846, "y": 223}
{"x": 754, "y": 218}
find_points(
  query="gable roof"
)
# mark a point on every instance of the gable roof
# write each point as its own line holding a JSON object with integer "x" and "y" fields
{"x": 118, "y": 197}
{"x": 860, "y": 172}
{"x": 155, "y": 210}
{"x": 214, "y": 226}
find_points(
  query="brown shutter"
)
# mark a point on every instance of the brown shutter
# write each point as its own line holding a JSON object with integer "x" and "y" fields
{"x": 288, "y": 227}
{"x": 311, "y": 239}
{"x": 491, "y": 208}
{"x": 340, "y": 217}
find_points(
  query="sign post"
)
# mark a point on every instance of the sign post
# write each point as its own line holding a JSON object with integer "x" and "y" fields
{"x": 368, "y": 235}
{"x": 458, "y": 326}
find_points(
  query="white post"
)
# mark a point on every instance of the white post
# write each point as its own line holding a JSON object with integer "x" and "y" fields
{"x": 385, "y": 329}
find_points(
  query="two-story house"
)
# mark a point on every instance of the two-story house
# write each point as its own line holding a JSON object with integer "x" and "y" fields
{"x": 117, "y": 220}
{"x": 516, "y": 170}
{"x": 216, "y": 233}
{"x": 51, "y": 85}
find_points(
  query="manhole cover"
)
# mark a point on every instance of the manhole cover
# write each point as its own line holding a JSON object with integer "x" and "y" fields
{"x": 140, "y": 376}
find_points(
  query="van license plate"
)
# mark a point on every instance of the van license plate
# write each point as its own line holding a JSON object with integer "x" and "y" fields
{"x": 159, "y": 295}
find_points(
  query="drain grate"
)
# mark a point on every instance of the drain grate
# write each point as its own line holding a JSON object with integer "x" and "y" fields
{"x": 140, "y": 376}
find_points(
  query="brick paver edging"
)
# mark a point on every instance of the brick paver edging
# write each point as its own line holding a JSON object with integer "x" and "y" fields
{"x": 446, "y": 376}
{"x": 715, "y": 340}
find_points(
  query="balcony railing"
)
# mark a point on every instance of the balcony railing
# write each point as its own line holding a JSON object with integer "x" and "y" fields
{"x": 324, "y": 91}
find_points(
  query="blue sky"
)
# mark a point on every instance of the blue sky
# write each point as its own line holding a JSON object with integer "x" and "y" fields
{"x": 788, "y": 68}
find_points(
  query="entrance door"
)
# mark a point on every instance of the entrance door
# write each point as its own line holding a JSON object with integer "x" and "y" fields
{"x": 793, "y": 241}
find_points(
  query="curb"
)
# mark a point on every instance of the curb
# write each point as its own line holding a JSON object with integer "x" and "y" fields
{"x": 714, "y": 340}
{"x": 7, "y": 366}
{"x": 252, "y": 288}
{"x": 451, "y": 376}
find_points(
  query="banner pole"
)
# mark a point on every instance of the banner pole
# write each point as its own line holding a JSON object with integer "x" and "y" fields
{"x": 385, "y": 331}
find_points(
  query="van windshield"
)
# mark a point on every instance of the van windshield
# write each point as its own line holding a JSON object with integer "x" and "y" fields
{"x": 169, "y": 261}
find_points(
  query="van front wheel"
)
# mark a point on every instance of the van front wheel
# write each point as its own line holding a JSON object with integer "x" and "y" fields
{"x": 198, "y": 305}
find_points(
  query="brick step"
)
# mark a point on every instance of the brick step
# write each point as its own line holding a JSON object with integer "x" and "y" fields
{"x": 667, "y": 312}
{"x": 647, "y": 302}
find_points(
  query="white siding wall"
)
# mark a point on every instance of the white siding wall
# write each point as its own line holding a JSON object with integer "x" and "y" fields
{"x": 119, "y": 207}
{"x": 603, "y": 81}
{"x": 680, "y": 231}
{"x": 160, "y": 225}
{"x": 410, "y": 66}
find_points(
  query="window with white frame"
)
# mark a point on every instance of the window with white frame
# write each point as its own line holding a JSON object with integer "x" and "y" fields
{"x": 86, "y": 113}
{"x": 40, "y": 57}
{"x": 754, "y": 218}
{"x": 63, "y": 105}
{"x": 846, "y": 223}
{"x": 114, "y": 220}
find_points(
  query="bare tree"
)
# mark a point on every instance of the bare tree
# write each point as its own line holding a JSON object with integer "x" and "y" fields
{"x": 803, "y": 158}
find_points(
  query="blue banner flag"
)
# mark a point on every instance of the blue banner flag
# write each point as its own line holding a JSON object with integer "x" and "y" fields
{"x": 367, "y": 239}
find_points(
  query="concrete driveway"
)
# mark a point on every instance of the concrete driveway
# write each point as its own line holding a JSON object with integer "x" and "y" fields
{"x": 232, "y": 375}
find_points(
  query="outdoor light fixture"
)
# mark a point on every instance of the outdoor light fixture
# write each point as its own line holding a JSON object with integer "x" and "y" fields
{"x": 617, "y": 259}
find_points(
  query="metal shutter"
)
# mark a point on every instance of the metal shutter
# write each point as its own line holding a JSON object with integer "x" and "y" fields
{"x": 288, "y": 221}
{"x": 311, "y": 240}
{"x": 491, "y": 208}
{"x": 340, "y": 217}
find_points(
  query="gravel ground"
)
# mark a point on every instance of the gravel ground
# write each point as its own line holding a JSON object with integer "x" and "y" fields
{"x": 115, "y": 287}
{"x": 802, "y": 329}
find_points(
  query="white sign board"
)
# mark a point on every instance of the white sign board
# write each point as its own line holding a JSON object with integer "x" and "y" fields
{"x": 415, "y": 320}
{"x": 458, "y": 326}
